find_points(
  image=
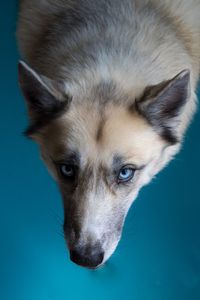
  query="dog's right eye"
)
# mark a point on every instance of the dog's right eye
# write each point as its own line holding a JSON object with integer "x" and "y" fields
{"x": 67, "y": 171}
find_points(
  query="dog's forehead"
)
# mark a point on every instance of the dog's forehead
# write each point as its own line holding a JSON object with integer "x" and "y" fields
{"x": 101, "y": 135}
{"x": 130, "y": 135}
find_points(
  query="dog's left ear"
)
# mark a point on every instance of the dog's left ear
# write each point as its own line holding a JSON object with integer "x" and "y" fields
{"x": 45, "y": 98}
{"x": 162, "y": 105}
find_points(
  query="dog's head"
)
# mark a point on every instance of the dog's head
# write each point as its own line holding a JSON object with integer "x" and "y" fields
{"x": 102, "y": 148}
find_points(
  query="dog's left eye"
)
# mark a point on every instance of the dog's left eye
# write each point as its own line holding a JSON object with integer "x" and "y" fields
{"x": 67, "y": 170}
{"x": 125, "y": 174}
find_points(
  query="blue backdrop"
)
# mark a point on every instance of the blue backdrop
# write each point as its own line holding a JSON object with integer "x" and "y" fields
{"x": 159, "y": 255}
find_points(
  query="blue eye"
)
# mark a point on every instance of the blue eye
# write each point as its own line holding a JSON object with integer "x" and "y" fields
{"x": 67, "y": 171}
{"x": 126, "y": 174}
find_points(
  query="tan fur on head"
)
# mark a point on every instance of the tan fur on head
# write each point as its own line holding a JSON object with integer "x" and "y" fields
{"x": 124, "y": 134}
{"x": 112, "y": 93}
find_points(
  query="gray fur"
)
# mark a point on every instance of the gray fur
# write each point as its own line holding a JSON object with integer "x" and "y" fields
{"x": 107, "y": 56}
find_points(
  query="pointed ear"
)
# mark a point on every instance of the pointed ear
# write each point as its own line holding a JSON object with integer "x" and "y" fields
{"x": 162, "y": 105}
{"x": 43, "y": 96}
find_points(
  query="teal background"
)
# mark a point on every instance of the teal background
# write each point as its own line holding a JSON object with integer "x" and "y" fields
{"x": 159, "y": 255}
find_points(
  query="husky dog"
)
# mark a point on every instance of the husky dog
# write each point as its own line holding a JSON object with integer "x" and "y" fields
{"x": 110, "y": 90}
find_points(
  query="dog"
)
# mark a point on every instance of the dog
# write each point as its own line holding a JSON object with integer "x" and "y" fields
{"x": 110, "y": 91}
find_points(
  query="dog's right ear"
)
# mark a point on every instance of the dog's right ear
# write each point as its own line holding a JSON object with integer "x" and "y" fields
{"x": 43, "y": 96}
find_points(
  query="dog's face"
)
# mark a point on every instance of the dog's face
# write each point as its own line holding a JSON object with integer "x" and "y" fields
{"x": 101, "y": 155}
{"x": 99, "y": 166}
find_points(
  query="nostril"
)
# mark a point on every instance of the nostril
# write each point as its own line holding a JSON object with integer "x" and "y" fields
{"x": 86, "y": 259}
{"x": 75, "y": 256}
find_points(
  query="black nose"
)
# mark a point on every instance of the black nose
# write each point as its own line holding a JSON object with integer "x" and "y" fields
{"x": 87, "y": 257}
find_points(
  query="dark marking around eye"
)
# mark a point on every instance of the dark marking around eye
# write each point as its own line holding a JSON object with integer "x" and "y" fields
{"x": 117, "y": 162}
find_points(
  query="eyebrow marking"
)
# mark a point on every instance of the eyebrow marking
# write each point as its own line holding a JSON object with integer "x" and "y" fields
{"x": 72, "y": 157}
{"x": 119, "y": 161}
